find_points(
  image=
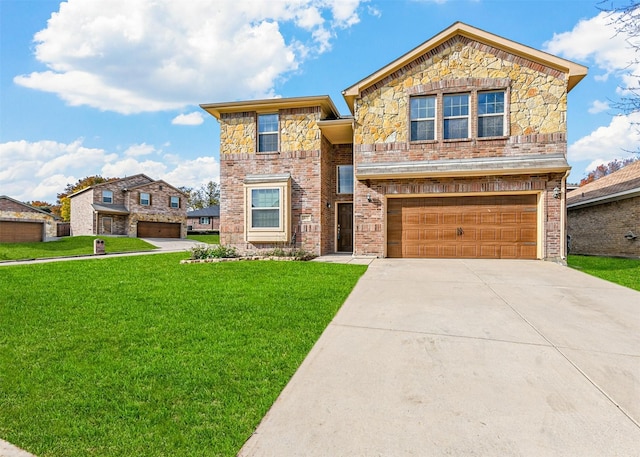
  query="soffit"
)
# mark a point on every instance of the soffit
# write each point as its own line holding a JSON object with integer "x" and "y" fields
{"x": 272, "y": 105}
{"x": 338, "y": 131}
{"x": 574, "y": 71}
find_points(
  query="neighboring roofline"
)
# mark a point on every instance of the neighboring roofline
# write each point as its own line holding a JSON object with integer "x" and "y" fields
{"x": 630, "y": 193}
{"x": 161, "y": 181}
{"x": 338, "y": 131}
{"x": 271, "y": 105}
{"x": 575, "y": 71}
{"x": 28, "y": 206}
{"x": 109, "y": 182}
{"x": 546, "y": 163}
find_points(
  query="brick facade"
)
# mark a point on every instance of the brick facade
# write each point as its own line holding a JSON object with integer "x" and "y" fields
{"x": 601, "y": 229}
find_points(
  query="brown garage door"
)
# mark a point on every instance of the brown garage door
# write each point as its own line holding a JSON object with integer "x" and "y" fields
{"x": 496, "y": 227}
{"x": 20, "y": 232}
{"x": 158, "y": 230}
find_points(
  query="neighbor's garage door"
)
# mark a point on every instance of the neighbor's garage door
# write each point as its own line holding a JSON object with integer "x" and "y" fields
{"x": 20, "y": 232}
{"x": 158, "y": 230}
{"x": 496, "y": 227}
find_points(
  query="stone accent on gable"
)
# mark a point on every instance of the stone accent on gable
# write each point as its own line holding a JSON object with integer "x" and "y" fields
{"x": 537, "y": 94}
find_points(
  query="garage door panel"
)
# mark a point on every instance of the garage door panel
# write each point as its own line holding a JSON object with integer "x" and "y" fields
{"x": 463, "y": 227}
{"x": 20, "y": 232}
{"x": 159, "y": 229}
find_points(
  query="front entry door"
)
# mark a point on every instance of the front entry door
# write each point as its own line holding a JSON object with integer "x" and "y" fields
{"x": 345, "y": 227}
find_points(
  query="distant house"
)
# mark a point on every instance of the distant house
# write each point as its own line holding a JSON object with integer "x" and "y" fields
{"x": 603, "y": 217}
{"x": 204, "y": 220}
{"x": 136, "y": 206}
{"x": 21, "y": 223}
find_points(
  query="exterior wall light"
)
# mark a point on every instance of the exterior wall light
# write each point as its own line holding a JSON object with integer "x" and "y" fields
{"x": 369, "y": 198}
{"x": 556, "y": 192}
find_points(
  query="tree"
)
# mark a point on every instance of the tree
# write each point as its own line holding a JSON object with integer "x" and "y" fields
{"x": 604, "y": 170}
{"x": 63, "y": 197}
{"x": 626, "y": 21}
{"x": 205, "y": 196}
{"x": 45, "y": 206}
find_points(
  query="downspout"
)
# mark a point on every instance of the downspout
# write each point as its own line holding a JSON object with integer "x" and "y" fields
{"x": 563, "y": 217}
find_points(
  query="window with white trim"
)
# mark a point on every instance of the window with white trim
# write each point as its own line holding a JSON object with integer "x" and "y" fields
{"x": 455, "y": 113}
{"x": 174, "y": 202}
{"x": 267, "y": 208}
{"x": 145, "y": 199}
{"x": 423, "y": 118}
{"x": 204, "y": 220}
{"x": 345, "y": 179}
{"x": 107, "y": 196}
{"x": 267, "y": 132}
{"x": 491, "y": 114}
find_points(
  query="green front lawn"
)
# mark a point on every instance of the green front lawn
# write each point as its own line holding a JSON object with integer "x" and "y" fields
{"x": 208, "y": 239}
{"x": 141, "y": 355}
{"x": 625, "y": 272}
{"x": 70, "y": 246}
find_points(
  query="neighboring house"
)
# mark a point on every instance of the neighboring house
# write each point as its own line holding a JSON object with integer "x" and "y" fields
{"x": 136, "y": 206}
{"x": 21, "y": 223}
{"x": 456, "y": 149}
{"x": 603, "y": 217}
{"x": 204, "y": 220}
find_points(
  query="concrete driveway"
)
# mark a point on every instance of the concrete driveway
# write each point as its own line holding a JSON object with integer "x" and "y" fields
{"x": 467, "y": 358}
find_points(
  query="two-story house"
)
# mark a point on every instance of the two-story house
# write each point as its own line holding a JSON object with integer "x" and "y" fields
{"x": 135, "y": 206}
{"x": 456, "y": 149}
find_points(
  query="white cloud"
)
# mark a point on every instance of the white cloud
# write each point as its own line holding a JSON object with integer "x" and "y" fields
{"x": 137, "y": 150}
{"x": 42, "y": 169}
{"x": 596, "y": 40}
{"x": 194, "y": 118}
{"x": 150, "y": 55}
{"x": 614, "y": 141}
{"x": 598, "y": 107}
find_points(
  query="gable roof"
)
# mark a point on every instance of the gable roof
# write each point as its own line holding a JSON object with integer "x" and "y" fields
{"x": 271, "y": 105}
{"x": 159, "y": 181}
{"x": 211, "y": 211}
{"x": 574, "y": 71}
{"x": 624, "y": 183}
{"x": 26, "y": 206}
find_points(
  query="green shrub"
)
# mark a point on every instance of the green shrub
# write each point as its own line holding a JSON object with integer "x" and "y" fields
{"x": 202, "y": 251}
{"x": 298, "y": 254}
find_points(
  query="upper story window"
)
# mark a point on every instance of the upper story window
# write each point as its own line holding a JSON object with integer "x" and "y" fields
{"x": 491, "y": 114}
{"x": 145, "y": 198}
{"x": 455, "y": 109}
{"x": 423, "y": 118}
{"x": 174, "y": 202}
{"x": 267, "y": 132}
{"x": 107, "y": 196}
{"x": 345, "y": 179}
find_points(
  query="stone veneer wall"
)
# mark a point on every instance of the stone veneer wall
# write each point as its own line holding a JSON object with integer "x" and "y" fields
{"x": 370, "y": 217}
{"x": 537, "y": 95}
{"x": 600, "y": 229}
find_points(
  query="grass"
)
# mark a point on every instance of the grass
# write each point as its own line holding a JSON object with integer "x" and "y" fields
{"x": 70, "y": 246}
{"x": 208, "y": 239}
{"x": 141, "y": 355}
{"x": 625, "y": 272}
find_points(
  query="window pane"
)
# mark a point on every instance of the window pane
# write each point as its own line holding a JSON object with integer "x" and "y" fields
{"x": 423, "y": 107}
{"x": 267, "y": 123}
{"x": 456, "y": 128}
{"x": 265, "y": 198}
{"x": 107, "y": 196}
{"x": 345, "y": 179}
{"x": 456, "y": 105}
{"x": 144, "y": 198}
{"x": 175, "y": 202}
{"x": 268, "y": 142}
{"x": 422, "y": 130}
{"x": 490, "y": 126}
{"x": 490, "y": 103}
{"x": 265, "y": 218}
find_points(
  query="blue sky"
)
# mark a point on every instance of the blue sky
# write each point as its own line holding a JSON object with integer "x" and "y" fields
{"x": 112, "y": 87}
